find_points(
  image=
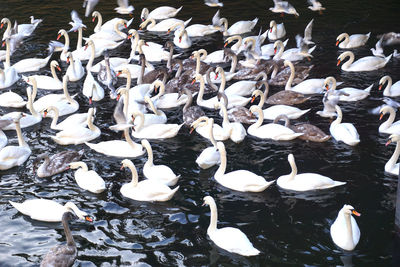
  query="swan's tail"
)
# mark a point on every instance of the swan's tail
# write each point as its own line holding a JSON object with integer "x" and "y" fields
{"x": 17, "y": 206}
{"x": 285, "y": 42}
{"x": 368, "y": 89}
{"x": 129, "y": 23}
{"x": 177, "y": 11}
{"x": 187, "y": 22}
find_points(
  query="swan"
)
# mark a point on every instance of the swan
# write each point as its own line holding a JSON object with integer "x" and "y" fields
{"x": 348, "y": 94}
{"x": 352, "y": 41}
{"x": 65, "y": 48}
{"x": 62, "y": 255}
{"x": 228, "y": 238}
{"x": 56, "y": 163}
{"x": 46, "y": 82}
{"x": 219, "y": 133}
{"x": 190, "y": 113}
{"x": 210, "y": 155}
{"x": 8, "y": 75}
{"x": 391, "y": 166}
{"x": 160, "y": 173}
{"x": 391, "y": 90}
{"x": 107, "y": 75}
{"x": 237, "y": 113}
{"x": 118, "y": 148}
{"x": 75, "y": 70}
{"x": 146, "y": 190}
{"x": 27, "y": 120}
{"x": 271, "y": 130}
{"x": 276, "y": 31}
{"x": 345, "y": 132}
{"x": 78, "y": 135}
{"x": 272, "y": 112}
{"x": 114, "y": 35}
{"x": 158, "y": 117}
{"x": 31, "y": 64}
{"x": 124, "y": 7}
{"x": 239, "y": 27}
{"x": 344, "y": 230}
{"x": 91, "y": 88}
{"x": 23, "y": 30}
{"x": 309, "y": 86}
{"x": 11, "y": 156}
{"x": 369, "y": 63}
{"x": 181, "y": 36}
{"x": 214, "y": 57}
{"x": 239, "y": 44}
{"x": 293, "y": 54}
{"x": 162, "y": 26}
{"x": 304, "y": 181}
{"x": 77, "y": 119}
{"x": 236, "y": 130}
{"x": 164, "y": 101}
{"x": 87, "y": 179}
{"x": 330, "y": 100}
{"x": 64, "y": 102}
{"x": 47, "y": 210}
{"x": 160, "y": 13}
{"x": 388, "y": 126}
{"x": 155, "y": 131}
{"x": 3, "y": 137}
{"x": 267, "y": 50}
{"x": 239, "y": 180}
{"x": 12, "y": 100}
{"x": 108, "y": 25}
{"x": 310, "y": 132}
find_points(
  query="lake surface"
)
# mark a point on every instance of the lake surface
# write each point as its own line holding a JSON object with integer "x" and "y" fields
{"x": 290, "y": 229}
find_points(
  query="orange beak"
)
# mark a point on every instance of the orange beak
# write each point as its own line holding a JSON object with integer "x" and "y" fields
{"x": 338, "y": 62}
{"x": 356, "y": 213}
{"x": 252, "y": 99}
{"x": 58, "y": 68}
{"x": 67, "y": 60}
{"x": 180, "y": 39}
{"x": 45, "y": 113}
{"x": 129, "y": 36}
{"x": 3, "y": 44}
{"x": 327, "y": 87}
{"x": 225, "y": 44}
{"x": 388, "y": 142}
{"x": 140, "y": 28}
{"x": 270, "y": 29}
{"x": 155, "y": 89}
{"x": 193, "y": 80}
{"x": 118, "y": 97}
{"x": 191, "y": 130}
{"x": 93, "y": 19}
{"x": 275, "y": 50}
{"x": 380, "y": 87}
{"x": 1, "y": 26}
{"x": 88, "y": 218}
{"x": 126, "y": 27}
{"x": 119, "y": 73}
{"x": 59, "y": 36}
{"x": 381, "y": 116}
{"x": 337, "y": 42}
{"x": 122, "y": 167}
{"x": 90, "y": 100}
{"x": 169, "y": 30}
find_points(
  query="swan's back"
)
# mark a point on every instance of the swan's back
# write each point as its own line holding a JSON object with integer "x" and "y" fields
{"x": 62, "y": 255}
{"x": 340, "y": 234}
{"x": 233, "y": 240}
{"x": 58, "y": 163}
{"x": 345, "y": 132}
{"x": 41, "y": 209}
{"x": 243, "y": 180}
{"x": 311, "y": 181}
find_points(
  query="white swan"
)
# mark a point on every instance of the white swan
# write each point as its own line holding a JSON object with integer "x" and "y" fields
{"x": 158, "y": 116}
{"x": 239, "y": 180}
{"x": 146, "y": 190}
{"x": 48, "y": 210}
{"x": 12, "y": 100}
{"x": 76, "y": 119}
{"x": 389, "y": 126}
{"x": 8, "y": 75}
{"x": 75, "y": 70}
{"x": 91, "y": 88}
{"x": 352, "y": 41}
{"x": 228, "y": 238}
{"x": 114, "y": 35}
{"x": 369, "y": 63}
{"x": 391, "y": 166}
{"x": 119, "y": 148}
{"x": 391, "y": 90}
{"x": 165, "y": 101}
{"x": 276, "y": 31}
{"x": 108, "y": 25}
{"x": 47, "y": 82}
{"x": 344, "y": 230}
{"x": 292, "y": 54}
{"x": 11, "y": 156}
{"x": 162, "y": 26}
{"x": 160, "y": 173}
{"x": 64, "y": 102}
{"x": 161, "y": 12}
{"x": 348, "y": 94}
{"x": 27, "y": 119}
{"x": 181, "y": 36}
{"x": 219, "y": 133}
{"x": 87, "y": 179}
{"x": 237, "y": 132}
{"x": 210, "y": 155}
{"x": 309, "y": 86}
{"x": 239, "y": 27}
{"x": 274, "y": 111}
{"x": 345, "y": 132}
{"x": 155, "y": 131}
{"x": 305, "y": 181}
{"x": 78, "y": 135}
{"x": 271, "y": 130}
{"x": 31, "y": 64}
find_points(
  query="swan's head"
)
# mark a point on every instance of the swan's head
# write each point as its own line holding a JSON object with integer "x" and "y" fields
{"x": 341, "y": 37}
{"x": 385, "y": 109}
{"x": 18, "y": 117}
{"x": 198, "y": 77}
{"x": 89, "y": 42}
{"x": 393, "y": 138}
{"x": 95, "y": 14}
{"x": 328, "y": 81}
{"x": 61, "y": 33}
{"x": 287, "y": 63}
{"x": 32, "y": 79}
{"x": 77, "y": 164}
{"x": 220, "y": 146}
{"x": 131, "y": 33}
{"x": 157, "y": 85}
{"x": 383, "y": 80}
{"x": 255, "y": 109}
{"x": 144, "y": 14}
{"x": 81, "y": 214}
{"x": 277, "y": 45}
{"x": 272, "y": 24}
{"x": 343, "y": 55}
{"x": 208, "y": 200}
{"x": 348, "y": 209}
{"x": 53, "y": 64}
{"x": 69, "y": 57}
{"x": 255, "y": 94}
{"x": 126, "y": 163}
{"x": 200, "y": 122}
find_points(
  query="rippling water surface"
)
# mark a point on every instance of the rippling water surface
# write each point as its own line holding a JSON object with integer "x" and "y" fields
{"x": 289, "y": 228}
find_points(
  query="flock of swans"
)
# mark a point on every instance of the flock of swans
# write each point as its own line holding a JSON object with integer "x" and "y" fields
{"x": 260, "y": 66}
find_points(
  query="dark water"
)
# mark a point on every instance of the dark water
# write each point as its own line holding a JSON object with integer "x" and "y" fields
{"x": 289, "y": 228}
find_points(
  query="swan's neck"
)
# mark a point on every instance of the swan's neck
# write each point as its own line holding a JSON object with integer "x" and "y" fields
{"x": 260, "y": 119}
{"x": 393, "y": 159}
{"x": 225, "y": 22}
{"x": 201, "y": 92}
{"x": 233, "y": 63}
{"x": 213, "y": 219}
{"x": 99, "y": 23}
{"x": 349, "y": 230}
{"x": 209, "y": 82}
{"x": 8, "y": 53}
{"x": 142, "y": 69}
{"x": 291, "y": 77}
{"x": 8, "y": 30}
{"x": 294, "y": 169}
{"x": 390, "y": 120}
{"x": 386, "y": 91}
{"x": 225, "y": 121}
{"x": 82, "y": 165}
{"x": 66, "y": 44}
{"x": 135, "y": 178}
{"x": 129, "y": 139}
{"x": 149, "y": 150}
{"x": 30, "y": 106}
{"x": 222, "y": 166}
{"x": 211, "y": 133}
{"x": 21, "y": 141}
{"x": 66, "y": 93}
{"x": 53, "y": 73}
{"x": 116, "y": 29}
{"x": 197, "y": 63}
{"x": 134, "y": 46}
{"x": 223, "y": 82}
{"x": 281, "y": 49}
{"x": 55, "y": 117}
{"x": 152, "y": 23}
{"x": 141, "y": 122}
{"x": 179, "y": 72}
{"x": 338, "y": 118}
{"x": 262, "y": 99}
{"x": 68, "y": 235}
{"x": 79, "y": 42}
{"x": 189, "y": 101}
{"x": 238, "y": 43}
{"x": 125, "y": 92}
{"x": 91, "y": 59}
{"x": 108, "y": 69}
{"x": 347, "y": 64}
{"x": 90, "y": 124}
